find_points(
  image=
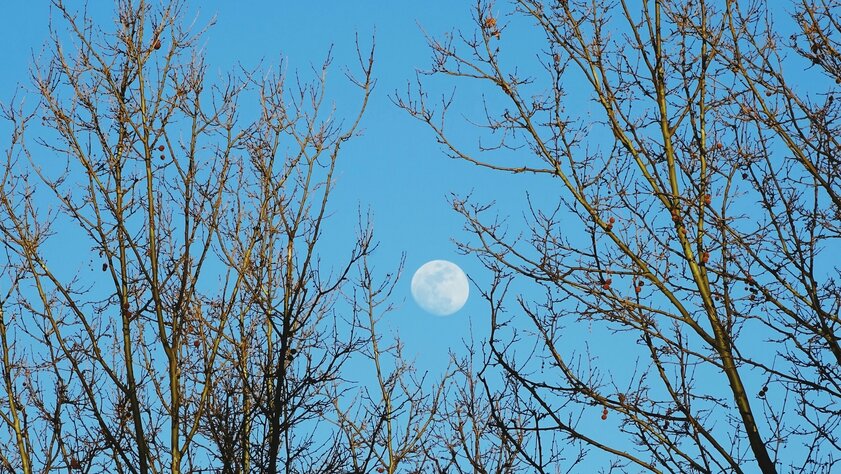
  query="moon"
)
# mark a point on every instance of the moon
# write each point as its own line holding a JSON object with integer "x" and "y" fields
{"x": 440, "y": 287}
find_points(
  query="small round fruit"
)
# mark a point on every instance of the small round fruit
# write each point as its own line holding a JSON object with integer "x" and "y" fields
{"x": 156, "y": 44}
{"x": 161, "y": 148}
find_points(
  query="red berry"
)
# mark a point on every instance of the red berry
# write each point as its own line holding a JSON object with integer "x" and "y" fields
{"x": 161, "y": 148}
{"x": 612, "y": 220}
{"x": 156, "y": 44}
{"x": 604, "y": 416}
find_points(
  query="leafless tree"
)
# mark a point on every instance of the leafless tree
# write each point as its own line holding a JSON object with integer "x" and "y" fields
{"x": 469, "y": 435}
{"x": 387, "y": 422}
{"x": 165, "y": 306}
{"x": 694, "y": 144}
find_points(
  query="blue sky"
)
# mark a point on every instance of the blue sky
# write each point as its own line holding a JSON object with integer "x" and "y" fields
{"x": 395, "y": 169}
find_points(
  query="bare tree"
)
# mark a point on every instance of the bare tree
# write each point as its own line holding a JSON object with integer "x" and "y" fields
{"x": 469, "y": 436}
{"x": 289, "y": 345}
{"x": 695, "y": 145}
{"x": 387, "y": 422}
{"x": 165, "y": 306}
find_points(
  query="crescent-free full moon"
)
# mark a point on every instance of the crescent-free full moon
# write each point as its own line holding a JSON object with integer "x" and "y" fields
{"x": 440, "y": 287}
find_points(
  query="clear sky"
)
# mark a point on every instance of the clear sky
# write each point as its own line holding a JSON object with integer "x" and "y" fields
{"x": 395, "y": 169}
